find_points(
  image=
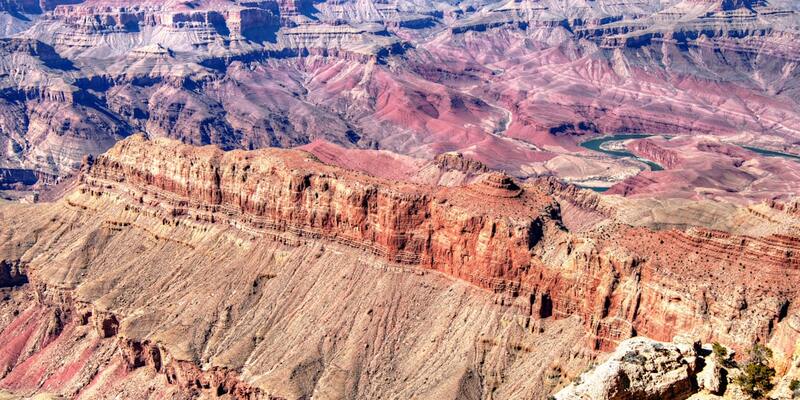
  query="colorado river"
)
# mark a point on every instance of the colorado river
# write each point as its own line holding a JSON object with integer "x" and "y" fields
{"x": 770, "y": 153}
{"x": 597, "y": 145}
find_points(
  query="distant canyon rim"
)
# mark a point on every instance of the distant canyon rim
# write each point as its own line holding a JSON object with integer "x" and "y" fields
{"x": 398, "y": 199}
{"x": 516, "y": 85}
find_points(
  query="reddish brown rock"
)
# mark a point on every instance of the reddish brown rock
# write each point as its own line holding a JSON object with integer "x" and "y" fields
{"x": 205, "y": 270}
{"x": 493, "y": 233}
{"x": 651, "y": 151}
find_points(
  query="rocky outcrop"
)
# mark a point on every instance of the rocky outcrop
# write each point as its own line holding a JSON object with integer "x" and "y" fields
{"x": 712, "y": 378}
{"x": 185, "y": 375}
{"x": 32, "y": 6}
{"x": 458, "y": 162}
{"x": 405, "y": 224}
{"x": 640, "y": 369}
{"x": 12, "y": 274}
{"x": 36, "y": 49}
{"x": 11, "y": 178}
{"x": 258, "y": 21}
{"x": 93, "y": 19}
{"x": 646, "y": 149}
{"x": 791, "y": 207}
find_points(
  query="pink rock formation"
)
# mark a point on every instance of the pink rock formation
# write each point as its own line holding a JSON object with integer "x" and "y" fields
{"x": 491, "y": 81}
{"x": 704, "y": 167}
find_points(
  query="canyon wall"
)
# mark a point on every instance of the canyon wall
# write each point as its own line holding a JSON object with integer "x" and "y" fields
{"x": 417, "y": 80}
{"x": 155, "y": 230}
{"x": 492, "y": 233}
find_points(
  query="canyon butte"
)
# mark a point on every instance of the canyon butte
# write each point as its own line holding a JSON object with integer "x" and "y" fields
{"x": 408, "y": 199}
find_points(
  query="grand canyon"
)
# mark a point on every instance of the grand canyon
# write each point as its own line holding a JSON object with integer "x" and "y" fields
{"x": 400, "y": 199}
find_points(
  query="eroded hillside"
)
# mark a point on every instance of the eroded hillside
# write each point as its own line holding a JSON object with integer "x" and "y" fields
{"x": 175, "y": 270}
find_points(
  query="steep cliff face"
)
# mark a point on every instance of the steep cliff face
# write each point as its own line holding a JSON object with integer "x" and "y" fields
{"x": 290, "y": 191}
{"x": 326, "y": 300}
{"x": 32, "y": 6}
{"x": 492, "y": 233}
{"x": 208, "y": 269}
{"x": 253, "y": 19}
{"x": 667, "y": 158}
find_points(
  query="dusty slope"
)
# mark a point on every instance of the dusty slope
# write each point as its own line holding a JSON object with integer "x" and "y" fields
{"x": 291, "y": 320}
{"x": 175, "y": 271}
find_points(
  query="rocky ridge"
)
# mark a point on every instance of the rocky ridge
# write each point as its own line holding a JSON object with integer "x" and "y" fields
{"x": 509, "y": 246}
{"x": 497, "y": 234}
{"x": 640, "y": 369}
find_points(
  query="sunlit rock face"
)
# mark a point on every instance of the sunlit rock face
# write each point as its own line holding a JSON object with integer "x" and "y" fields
{"x": 515, "y": 85}
{"x": 169, "y": 269}
{"x": 367, "y": 199}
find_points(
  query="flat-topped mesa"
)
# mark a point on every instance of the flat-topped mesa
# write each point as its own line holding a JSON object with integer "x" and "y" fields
{"x": 290, "y": 192}
{"x": 253, "y": 22}
{"x": 234, "y": 19}
{"x": 99, "y": 18}
{"x": 32, "y": 6}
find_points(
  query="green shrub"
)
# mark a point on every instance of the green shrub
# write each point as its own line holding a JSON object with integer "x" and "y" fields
{"x": 720, "y": 352}
{"x": 760, "y": 354}
{"x": 756, "y": 377}
{"x": 633, "y": 357}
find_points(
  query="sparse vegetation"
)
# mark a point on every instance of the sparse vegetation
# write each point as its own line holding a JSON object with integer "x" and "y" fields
{"x": 756, "y": 377}
{"x": 633, "y": 357}
{"x": 720, "y": 352}
{"x": 794, "y": 386}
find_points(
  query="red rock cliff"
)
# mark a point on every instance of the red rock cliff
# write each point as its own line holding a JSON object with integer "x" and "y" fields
{"x": 482, "y": 233}
{"x": 496, "y": 234}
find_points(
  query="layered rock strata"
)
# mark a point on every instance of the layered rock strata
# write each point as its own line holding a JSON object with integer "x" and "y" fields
{"x": 238, "y": 222}
{"x": 493, "y": 233}
{"x": 417, "y": 79}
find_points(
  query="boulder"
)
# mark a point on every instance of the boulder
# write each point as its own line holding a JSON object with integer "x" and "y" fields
{"x": 711, "y": 378}
{"x": 640, "y": 369}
